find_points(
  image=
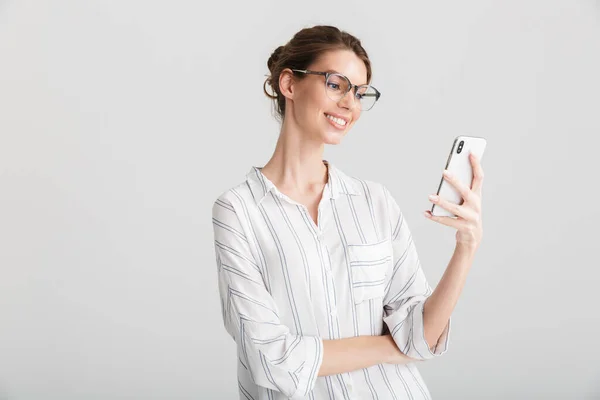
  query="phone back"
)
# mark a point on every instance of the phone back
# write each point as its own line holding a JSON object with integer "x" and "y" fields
{"x": 459, "y": 165}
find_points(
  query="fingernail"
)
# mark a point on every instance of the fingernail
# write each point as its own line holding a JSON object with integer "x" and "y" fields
{"x": 426, "y": 214}
{"x": 447, "y": 173}
{"x": 433, "y": 197}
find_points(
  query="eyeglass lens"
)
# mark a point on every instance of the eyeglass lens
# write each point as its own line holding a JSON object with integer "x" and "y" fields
{"x": 338, "y": 85}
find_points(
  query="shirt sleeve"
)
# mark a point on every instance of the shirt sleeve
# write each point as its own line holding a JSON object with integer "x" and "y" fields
{"x": 276, "y": 359}
{"x": 406, "y": 291}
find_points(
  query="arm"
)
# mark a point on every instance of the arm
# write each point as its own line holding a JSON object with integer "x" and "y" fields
{"x": 349, "y": 354}
{"x": 441, "y": 303}
{"x": 274, "y": 357}
{"x": 469, "y": 228}
{"x": 406, "y": 292}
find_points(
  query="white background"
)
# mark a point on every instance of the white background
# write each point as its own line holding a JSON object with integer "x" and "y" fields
{"x": 122, "y": 121}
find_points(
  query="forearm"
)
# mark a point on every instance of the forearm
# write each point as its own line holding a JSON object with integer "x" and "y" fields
{"x": 440, "y": 305}
{"x": 349, "y": 354}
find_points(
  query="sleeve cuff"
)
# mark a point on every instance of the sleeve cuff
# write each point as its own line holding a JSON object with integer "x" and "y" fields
{"x": 307, "y": 376}
{"x": 419, "y": 341}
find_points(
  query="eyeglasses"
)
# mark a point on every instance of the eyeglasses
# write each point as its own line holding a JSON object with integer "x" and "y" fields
{"x": 338, "y": 85}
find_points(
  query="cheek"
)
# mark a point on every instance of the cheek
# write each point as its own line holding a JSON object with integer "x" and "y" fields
{"x": 320, "y": 101}
{"x": 313, "y": 103}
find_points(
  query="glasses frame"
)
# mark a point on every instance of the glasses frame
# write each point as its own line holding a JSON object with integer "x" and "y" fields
{"x": 351, "y": 86}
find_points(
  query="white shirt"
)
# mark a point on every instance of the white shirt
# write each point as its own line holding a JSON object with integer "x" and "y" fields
{"x": 286, "y": 284}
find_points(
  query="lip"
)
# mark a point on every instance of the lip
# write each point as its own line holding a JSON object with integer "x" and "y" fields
{"x": 335, "y": 124}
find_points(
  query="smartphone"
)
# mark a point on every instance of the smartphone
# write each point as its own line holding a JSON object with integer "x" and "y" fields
{"x": 459, "y": 165}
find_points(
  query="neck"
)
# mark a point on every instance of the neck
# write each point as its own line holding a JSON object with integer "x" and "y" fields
{"x": 297, "y": 162}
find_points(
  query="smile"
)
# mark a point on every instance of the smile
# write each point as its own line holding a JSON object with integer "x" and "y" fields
{"x": 337, "y": 122}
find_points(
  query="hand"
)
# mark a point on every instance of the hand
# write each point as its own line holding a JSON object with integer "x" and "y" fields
{"x": 468, "y": 221}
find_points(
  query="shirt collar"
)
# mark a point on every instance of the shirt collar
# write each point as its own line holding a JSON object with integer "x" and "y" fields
{"x": 338, "y": 183}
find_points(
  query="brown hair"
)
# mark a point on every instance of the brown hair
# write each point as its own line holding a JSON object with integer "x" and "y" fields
{"x": 302, "y": 50}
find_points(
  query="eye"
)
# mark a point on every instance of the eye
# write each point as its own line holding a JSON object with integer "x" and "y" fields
{"x": 337, "y": 83}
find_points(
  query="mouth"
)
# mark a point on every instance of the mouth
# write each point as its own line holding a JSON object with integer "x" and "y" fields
{"x": 337, "y": 121}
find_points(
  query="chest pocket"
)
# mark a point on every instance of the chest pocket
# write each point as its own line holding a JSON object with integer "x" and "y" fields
{"x": 369, "y": 266}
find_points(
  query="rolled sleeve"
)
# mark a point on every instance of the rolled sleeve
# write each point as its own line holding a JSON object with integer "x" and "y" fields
{"x": 406, "y": 291}
{"x": 407, "y": 328}
{"x": 308, "y": 376}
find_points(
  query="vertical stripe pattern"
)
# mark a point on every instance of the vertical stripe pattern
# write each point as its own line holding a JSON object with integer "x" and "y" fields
{"x": 288, "y": 282}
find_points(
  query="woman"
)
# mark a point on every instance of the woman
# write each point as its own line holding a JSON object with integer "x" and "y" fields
{"x": 320, "y": 282}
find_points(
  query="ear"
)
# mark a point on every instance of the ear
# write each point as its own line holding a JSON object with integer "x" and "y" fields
{"x": 287, "y": 83}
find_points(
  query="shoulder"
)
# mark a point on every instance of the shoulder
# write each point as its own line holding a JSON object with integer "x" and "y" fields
{"x": 368, "y": 187}
{"x": 376, "y": 194}
{"x": 232, "y": 198}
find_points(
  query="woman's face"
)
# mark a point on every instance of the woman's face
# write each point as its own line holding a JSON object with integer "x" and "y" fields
{"x": 319, "y": 116}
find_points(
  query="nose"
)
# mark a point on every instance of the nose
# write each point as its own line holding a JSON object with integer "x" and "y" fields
{"x": 348, "y": 101}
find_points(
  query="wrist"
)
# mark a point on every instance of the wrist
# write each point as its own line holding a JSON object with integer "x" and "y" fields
{"x": 466, "y": 248}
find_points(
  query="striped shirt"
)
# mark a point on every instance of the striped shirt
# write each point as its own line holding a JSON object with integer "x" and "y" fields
{"x": 286, "y": 284}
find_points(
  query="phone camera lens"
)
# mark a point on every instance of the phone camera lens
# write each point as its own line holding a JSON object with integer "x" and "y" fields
{"x": 460, "y": 146}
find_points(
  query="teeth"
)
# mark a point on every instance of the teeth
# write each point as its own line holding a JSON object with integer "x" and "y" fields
{"x": 338, "y": 121}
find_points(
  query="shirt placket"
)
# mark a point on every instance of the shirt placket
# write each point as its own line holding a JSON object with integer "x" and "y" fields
{"x": 323, "y": 218}
{"x": 329, "y": 297}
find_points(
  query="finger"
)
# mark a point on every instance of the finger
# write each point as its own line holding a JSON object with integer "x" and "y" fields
{"x": 477, "y": 174}
{"x": 456, "y": 209}
{"x": 464, "y": 191}
{"x": 448, "y": 221}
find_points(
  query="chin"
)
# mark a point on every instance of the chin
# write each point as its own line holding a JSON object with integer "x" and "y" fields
{"x": 330, "y": 137}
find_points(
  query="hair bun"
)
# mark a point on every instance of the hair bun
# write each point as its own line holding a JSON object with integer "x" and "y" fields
{"x": 275, "y": 57}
